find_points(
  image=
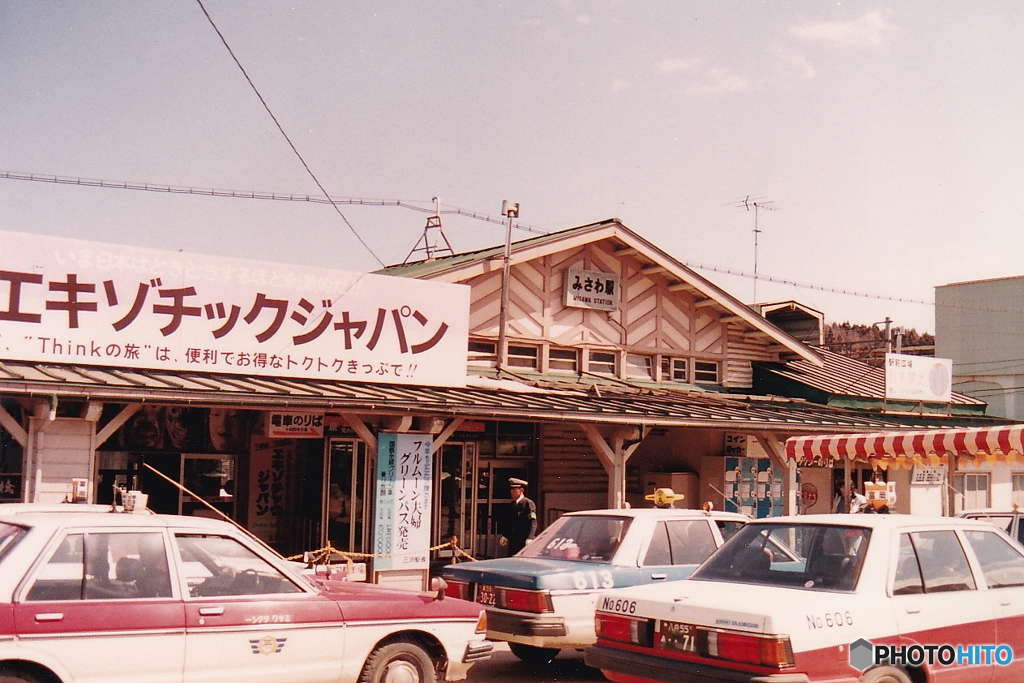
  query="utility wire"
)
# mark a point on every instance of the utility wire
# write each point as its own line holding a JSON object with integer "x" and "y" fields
{"x": 266, "y": 196}
{"x": 285, "y": 135}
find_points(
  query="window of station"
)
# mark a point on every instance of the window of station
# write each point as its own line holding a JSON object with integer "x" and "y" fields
{"x": 483, "y": 353}
{"x": 705, "y": 372}
{"x": 639, "y": 366}
{"x": 563, "y": 360}
{"x": 1018, "y": 490}
{"x": 674, "y": 369}
{"x": 523, "y": 356}
{"x": 972, "y": 491}
{"x": 602, "y": 363}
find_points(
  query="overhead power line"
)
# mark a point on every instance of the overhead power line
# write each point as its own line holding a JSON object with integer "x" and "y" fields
{"x": 450, "y": 210}
{"x": 285, "y": 135}
{"x": 265, "y": 196}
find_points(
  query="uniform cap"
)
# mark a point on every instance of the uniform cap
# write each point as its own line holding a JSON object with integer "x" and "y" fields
{"x": 518, "y": 482}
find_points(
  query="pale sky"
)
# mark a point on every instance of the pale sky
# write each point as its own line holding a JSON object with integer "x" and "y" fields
{"x": 890, "y": 138}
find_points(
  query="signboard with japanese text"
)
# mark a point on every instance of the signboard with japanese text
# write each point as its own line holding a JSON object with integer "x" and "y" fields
{"x": 736, "y": 445}
{"x": 403, "y": 509}
{"x": 295, "y": 425}
{"x": 591, "y": 289}
{"x": 72, "y": 301}
{"x": 270, "y": 467}
{"x": 918, "y": 378}
{"x": 928, "y": 475}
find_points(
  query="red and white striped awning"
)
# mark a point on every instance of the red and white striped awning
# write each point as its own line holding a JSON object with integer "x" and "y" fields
{"x": 913, "y": 447}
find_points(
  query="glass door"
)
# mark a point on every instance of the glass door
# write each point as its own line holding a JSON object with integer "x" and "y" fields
{"x": 346, "y": 505}
{"x": 493, "y": 501}
{"x": 455, "y": 512}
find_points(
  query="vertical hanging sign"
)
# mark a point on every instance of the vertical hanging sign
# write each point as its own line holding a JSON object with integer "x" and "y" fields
{"x": 402, "y": 521}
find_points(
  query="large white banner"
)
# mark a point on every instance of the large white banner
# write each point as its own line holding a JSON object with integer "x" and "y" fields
{"x": 918, "y": 378}
{"x": 72, "y": 301}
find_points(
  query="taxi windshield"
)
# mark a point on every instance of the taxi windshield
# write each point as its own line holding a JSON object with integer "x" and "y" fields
{"x": 585, "y": 538}
{"x": 811, "y": 556}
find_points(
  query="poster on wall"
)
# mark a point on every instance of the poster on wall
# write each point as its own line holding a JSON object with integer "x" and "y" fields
{"x": 753, "y": 487}
{"x": 72, "y": 301}
{"x": 403, "y": 505}
{"x": 270, "y": 466}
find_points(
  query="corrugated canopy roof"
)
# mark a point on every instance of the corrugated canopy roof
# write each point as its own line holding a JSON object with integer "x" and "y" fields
{"x": 486, "y": 400}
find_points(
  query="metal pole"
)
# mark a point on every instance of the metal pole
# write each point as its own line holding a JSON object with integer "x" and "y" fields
{"x": 509, "y": 211}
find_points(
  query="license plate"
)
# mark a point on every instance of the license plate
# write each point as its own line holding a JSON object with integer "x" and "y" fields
{"x": 485, "y": 594}
{"x": 677, "y": 636}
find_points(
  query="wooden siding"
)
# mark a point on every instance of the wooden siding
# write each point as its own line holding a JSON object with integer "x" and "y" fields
{"x": 568, "y": 463}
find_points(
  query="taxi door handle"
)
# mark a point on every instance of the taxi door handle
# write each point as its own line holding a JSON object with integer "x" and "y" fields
{"x": 211, "y": 611}
{"x": 50, "y": 616}
{"x": 659, "y": 576}
{"x": 913, "y": 610}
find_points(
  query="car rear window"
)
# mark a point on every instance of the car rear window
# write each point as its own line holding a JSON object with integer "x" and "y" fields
{"x": 586, "y": 538}
{"x": 811, "y": 556}
{"x": 10, "y": 534}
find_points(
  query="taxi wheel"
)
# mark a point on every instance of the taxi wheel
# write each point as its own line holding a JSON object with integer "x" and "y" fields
{"x": 534, "y": 655}
{"x": 399, "y": 662}
{"x": 885, "y": 674}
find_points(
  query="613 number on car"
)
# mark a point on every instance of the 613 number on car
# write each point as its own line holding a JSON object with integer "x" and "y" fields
{"x": 593, "y": 580}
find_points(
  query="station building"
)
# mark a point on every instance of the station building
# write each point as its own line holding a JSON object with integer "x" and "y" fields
{"x": 590, "y": 363}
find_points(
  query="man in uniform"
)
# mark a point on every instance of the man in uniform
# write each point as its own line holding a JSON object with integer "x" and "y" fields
{"x": 522, "y": 523}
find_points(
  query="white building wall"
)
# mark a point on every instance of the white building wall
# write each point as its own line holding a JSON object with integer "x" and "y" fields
{"x": 980, "y": 325}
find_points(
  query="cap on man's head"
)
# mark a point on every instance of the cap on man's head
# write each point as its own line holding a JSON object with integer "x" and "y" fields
{"x": 513, "y": 482}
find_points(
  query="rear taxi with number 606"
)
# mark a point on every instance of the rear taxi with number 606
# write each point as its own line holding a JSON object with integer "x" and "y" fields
{"x": 863, "y": 598}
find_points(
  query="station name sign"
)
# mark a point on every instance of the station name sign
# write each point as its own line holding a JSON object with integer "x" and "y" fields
{"x": 73, "y": 301}
{"x": 591, "y": 289}
{"x": 918, "y": 378}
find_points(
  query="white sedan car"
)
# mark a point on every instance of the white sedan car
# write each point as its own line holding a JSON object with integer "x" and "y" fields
{"x": 866, "y": 598}
{"x": 93, "y": 595}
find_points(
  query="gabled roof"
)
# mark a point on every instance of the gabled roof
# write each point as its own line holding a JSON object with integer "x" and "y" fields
{"x": 844, "y": 376}
{"x": 461, "y": 267}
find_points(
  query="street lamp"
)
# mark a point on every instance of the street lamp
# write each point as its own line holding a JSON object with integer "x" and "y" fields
{"x": 510, "y": 211}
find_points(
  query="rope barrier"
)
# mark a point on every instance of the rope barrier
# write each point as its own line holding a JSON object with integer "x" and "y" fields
{"x": 325, "y": 554}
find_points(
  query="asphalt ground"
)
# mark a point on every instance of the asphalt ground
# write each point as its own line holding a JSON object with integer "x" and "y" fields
{"x": 503, "y": 666}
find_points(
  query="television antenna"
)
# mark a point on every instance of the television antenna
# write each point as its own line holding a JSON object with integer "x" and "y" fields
{"x": 756, "y": 204}
{"x": 433, "y": 235}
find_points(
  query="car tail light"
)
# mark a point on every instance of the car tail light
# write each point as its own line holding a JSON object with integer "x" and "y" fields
{"x": 771, "y": 651}
{"x": 525, "y": 601}
{"x": 481, "y": 622}
{"x": 457, "y": 589}
{"x": 625, "y": 629}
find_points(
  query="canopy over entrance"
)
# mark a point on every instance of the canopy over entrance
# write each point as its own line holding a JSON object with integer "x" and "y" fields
{"x": 913, "y": 447}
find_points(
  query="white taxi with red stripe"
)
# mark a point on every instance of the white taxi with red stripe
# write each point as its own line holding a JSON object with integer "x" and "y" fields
{"x": 88, "y": 594}
{"x": 861, "y": 598}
